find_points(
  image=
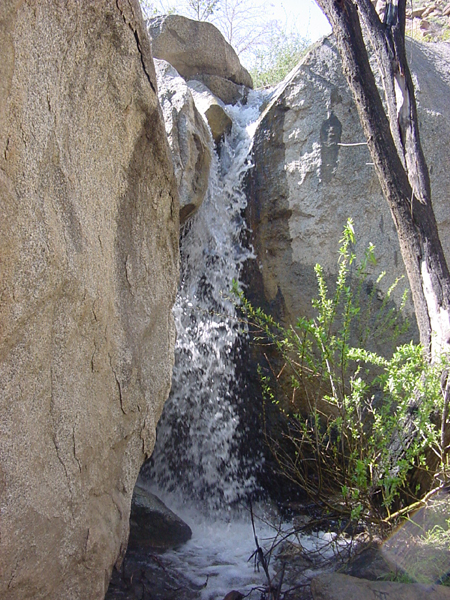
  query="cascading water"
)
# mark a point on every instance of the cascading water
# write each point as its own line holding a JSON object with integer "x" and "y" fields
{"x": 197, "y": 467}
{"x": 199, "y": 433}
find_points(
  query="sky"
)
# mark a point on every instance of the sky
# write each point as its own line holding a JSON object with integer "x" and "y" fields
{"x": 304, "y": 15}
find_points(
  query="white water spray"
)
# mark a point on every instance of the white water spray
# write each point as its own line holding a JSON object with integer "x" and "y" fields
{"x": 196, "y": 453}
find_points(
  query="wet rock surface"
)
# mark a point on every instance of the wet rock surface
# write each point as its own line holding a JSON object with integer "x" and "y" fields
{"x": 302, "y": 565}
{"x": 150, "y": 579}
{"x": 145, "y": 574}
{"x": 154, "y": 525}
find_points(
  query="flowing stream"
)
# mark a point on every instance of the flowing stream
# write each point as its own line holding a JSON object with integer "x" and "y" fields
{"x": 198, "y": 468}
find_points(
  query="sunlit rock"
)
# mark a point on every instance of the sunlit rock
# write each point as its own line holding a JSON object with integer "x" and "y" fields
{"x": 89, "y": 268}
{"x": 212, "y": 109}
{"x": 189, "y": 138}
{"x": 313, "y": 171}
{"x": 226, "y": 90}
{"x": 194, "y": 47}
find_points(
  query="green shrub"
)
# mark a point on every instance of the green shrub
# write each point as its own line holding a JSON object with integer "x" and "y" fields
{"x": 370, "y": 419}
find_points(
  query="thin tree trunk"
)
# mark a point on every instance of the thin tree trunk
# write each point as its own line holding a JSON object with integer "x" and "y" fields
{"x": 394, "y": 144}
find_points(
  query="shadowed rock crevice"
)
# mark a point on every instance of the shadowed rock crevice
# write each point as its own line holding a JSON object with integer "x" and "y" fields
{"x": 330, "y": 138}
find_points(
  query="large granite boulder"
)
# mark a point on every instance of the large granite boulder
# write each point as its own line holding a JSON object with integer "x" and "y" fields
{"x": 313, "y": 170}
{"x": 89, "y": 266}
{"x": 194, "y": 47}
{"x": 189, "y": 138}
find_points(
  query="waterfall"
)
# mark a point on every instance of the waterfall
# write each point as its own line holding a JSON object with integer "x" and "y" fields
{"x": 197, "y": 467}
{"x": 199, "y": 434}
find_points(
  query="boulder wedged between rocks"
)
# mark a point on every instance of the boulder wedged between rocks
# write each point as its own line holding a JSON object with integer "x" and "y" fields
{"x": 189, "y": 138}
{"x": 195, "y": 47}
{"x": 196, "y": 53}
{"x": 212, "y": 109}
{"x": 224, "y": 89}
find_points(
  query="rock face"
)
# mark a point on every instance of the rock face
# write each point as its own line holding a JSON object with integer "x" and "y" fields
{"x": 194, "y": 47}
{"x": 335, "y": 586}
{"x": 189, "y": 138}
{"x": 313, "y": 170}
{"x": 89, "y": 267}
